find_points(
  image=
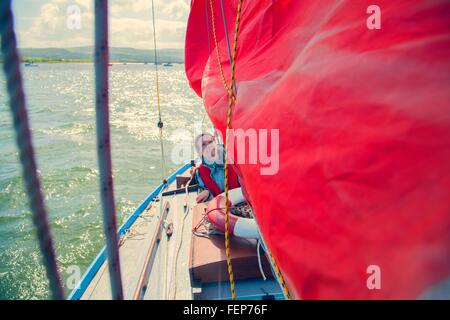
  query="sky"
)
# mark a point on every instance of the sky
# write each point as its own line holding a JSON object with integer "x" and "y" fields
{"x": 69, "y": 23}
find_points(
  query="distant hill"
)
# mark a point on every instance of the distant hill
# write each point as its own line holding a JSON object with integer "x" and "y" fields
{"x": 116, "y": 54}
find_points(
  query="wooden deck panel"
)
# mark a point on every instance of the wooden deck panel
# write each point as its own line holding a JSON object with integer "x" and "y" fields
{"x": 133, "y": 252}
{"x": 208, "y": 261}
{"x": 169, "y": 278}
{"x": 132, "y": 255}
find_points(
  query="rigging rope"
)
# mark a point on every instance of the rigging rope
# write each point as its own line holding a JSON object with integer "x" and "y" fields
{"x": 104, "y": 146}
{"x": 261, "y": 270}
{"x": 207, "y": 26}
{"x": 219, "y": 60}
{"x": 160, "y": 123}
{"x": 224, "y": 18}
{"x": 185, "y": 212}
{"x": 232, "y": 101}
{"x": 230, "y": 107}
{"x": 11, "y": 67}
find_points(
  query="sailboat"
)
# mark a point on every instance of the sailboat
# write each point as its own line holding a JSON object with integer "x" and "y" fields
{"x": 30, "y": 64}
{"x": 169, "y": 250}
{"x": 357, "y": 206}
{"x": 362, "y": 188}
{"x": 165, "y": 253}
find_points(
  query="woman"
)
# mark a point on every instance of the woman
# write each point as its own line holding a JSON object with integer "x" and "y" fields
{"x": 211, "y": 172}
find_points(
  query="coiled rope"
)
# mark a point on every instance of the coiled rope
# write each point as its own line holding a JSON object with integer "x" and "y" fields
{"x": 11, "y": 67}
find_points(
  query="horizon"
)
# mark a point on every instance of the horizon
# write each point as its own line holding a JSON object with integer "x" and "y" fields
{"x": 86, "y": 53}
{"x": 91, "y": 46}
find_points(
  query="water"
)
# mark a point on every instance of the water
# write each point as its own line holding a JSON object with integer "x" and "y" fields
{"x": 62, "y": 115}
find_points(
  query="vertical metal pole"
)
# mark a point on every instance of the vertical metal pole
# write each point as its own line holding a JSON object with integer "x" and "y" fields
{"x": 11, "y": 67}
{"x": 104, "y": 146}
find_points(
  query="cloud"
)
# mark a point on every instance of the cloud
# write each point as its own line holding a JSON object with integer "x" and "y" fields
{"x": 130, "y": 24}
{"x": 176, "y": 10}
{"x": 139, "y": 33}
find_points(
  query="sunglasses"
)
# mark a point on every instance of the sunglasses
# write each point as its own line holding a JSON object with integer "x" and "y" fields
{"x": 205, "y": 143}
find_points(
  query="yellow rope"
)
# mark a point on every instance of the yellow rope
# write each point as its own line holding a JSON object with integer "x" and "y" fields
{"x": 230, "y": 105}
{"x": 286, "y": 291}
{"x": 160, "y": 123}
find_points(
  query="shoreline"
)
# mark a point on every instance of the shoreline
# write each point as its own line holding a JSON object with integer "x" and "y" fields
{"x": 91, "y": 62}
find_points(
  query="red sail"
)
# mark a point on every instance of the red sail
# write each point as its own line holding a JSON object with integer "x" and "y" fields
{"x": 364, "y": 136}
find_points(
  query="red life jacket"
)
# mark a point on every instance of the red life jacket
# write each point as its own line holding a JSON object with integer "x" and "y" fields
{"x": 211, "y": 185}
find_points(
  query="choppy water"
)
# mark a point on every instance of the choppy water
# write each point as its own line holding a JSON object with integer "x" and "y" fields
{"x": 62, "y": 114}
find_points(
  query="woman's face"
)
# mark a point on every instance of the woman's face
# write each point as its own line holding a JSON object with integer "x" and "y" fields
{"x": 209, "y": 148}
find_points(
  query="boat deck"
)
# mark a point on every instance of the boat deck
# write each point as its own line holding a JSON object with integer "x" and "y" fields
{"x": 184, "y": 266}
{"x": 134, "y": 247}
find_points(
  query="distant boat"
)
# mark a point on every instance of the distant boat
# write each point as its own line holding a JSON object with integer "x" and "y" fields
{"x": 31, "y": 64}
{"x": 110, "y": 64}
{"x": 168, "y": 64}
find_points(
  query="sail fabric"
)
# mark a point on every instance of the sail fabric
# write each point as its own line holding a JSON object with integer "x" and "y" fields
{"x": 359, "y": 207}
